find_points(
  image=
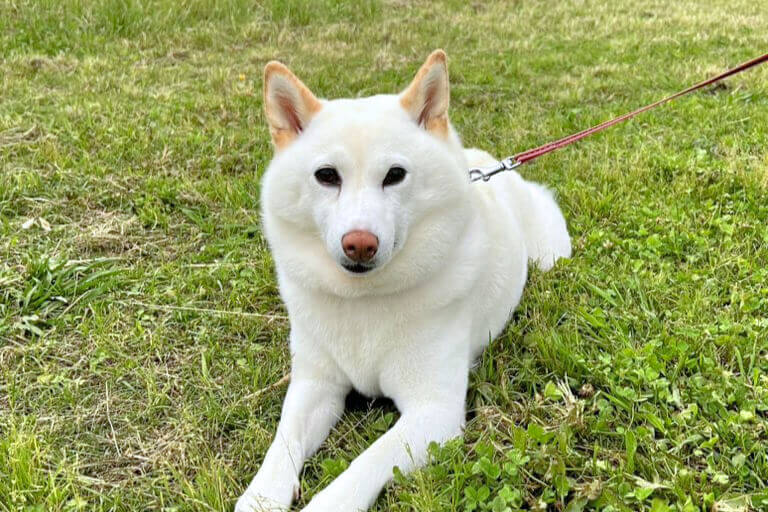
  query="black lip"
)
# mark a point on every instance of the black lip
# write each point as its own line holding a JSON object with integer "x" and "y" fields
{"x": 357, "y": 268}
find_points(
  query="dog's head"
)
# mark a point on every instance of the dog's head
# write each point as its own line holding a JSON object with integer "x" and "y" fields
{"x": 363, "y": 195}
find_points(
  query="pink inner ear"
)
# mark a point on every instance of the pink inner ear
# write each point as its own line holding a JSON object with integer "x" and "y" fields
{"x": 424, "y": 114}
{"x": 289, "y": 111}
{"x": 426, "y": 108}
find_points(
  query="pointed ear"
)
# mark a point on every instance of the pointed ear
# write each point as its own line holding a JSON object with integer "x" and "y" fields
{"x": 288, "y": 104}
{"x": 427, "y": 98}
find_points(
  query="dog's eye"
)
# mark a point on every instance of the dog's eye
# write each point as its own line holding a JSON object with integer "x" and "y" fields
{"x": 395, "y": 175}
{"x": 328, "y": 176}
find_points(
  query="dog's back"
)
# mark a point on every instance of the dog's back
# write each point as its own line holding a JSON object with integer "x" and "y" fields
{"x": 533, "y": 206}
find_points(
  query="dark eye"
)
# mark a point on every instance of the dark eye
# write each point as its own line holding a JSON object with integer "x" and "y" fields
{"x": 328, "y": 176}
{"x": 395, "y": 175}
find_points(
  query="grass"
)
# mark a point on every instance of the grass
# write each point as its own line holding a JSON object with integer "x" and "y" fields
{"x": 139, "y": 315}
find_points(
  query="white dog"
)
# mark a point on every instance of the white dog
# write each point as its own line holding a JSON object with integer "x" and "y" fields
{"x": 396, "y": 272}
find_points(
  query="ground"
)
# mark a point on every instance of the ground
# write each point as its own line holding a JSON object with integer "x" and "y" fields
{"x": 142, "y": 337}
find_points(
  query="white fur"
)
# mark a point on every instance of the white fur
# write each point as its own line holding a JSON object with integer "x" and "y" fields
{"x": 450, "y": 270}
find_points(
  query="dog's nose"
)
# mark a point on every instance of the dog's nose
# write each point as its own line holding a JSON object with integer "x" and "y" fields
{"x": 360, "y": 246}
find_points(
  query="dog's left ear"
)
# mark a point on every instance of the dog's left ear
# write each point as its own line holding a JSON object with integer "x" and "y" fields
{"x": 288, "y": 104}
{"x": 427, "y": 98}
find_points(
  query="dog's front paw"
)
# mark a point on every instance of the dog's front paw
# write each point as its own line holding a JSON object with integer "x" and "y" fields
{"x": 251, "y": 502}
{"x": 266, "y": 495}
{"x": 330, "y": 501}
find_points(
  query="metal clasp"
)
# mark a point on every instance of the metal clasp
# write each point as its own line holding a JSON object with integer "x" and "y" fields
{"x": 485, "y": 173}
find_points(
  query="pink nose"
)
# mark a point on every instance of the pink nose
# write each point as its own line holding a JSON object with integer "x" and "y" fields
{"x": 360, "y": 246}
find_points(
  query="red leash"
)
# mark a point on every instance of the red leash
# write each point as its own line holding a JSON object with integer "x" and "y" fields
{"x": 519, "y": 159}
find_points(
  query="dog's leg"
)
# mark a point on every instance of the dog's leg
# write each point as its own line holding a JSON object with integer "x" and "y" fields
{"x": 431, "y": 411}
{"x": 404, "y": 445}
{"x": 311, "y": 408}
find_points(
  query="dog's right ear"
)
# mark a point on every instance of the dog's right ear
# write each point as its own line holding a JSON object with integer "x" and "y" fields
{"x": 288, "y": 103}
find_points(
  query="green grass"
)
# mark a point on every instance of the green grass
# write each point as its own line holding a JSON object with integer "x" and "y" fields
{"x": 139, "y": 314}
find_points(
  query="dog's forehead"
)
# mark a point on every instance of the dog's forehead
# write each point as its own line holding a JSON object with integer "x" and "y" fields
{"x": 370, "y": 115}
{"x": 366, "y": 133}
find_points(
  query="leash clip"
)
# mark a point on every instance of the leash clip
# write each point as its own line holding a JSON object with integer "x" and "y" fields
{"x": 486, "y": 173}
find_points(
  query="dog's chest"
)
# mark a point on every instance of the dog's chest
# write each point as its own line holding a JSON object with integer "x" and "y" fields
{"x": 362, "y": 357}
{"x": 366, "y": 343}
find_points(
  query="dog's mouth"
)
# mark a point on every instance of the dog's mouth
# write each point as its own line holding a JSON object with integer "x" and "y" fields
{"x": 357, "y": 268}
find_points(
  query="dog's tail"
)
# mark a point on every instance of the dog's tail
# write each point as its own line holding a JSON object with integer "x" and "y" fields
{"x": 546, "y": 234}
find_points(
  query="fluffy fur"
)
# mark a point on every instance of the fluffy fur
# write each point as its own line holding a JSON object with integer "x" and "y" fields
{"x": 450, "y": 268}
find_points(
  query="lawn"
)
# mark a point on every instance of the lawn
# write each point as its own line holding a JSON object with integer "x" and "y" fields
{"x": 142, "y": 337}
